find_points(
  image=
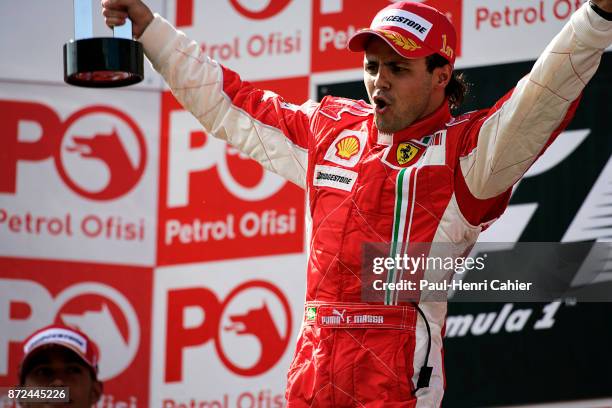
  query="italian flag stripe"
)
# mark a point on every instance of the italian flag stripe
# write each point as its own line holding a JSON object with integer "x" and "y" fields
{"x": 406, "y": 235}
{"x": 402, "y": 190}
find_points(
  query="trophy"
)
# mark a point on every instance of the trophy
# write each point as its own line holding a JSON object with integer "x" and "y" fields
{"x": 101, "y": 62}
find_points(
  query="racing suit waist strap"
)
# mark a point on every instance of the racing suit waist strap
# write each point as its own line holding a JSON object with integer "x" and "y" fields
{"x": 359, "y": 315}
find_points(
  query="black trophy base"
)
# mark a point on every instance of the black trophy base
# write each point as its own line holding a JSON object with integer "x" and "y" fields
{"x": 103, "y": 62}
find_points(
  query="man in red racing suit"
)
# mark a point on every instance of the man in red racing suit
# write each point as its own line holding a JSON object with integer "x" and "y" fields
{"x": 400, "y": 170}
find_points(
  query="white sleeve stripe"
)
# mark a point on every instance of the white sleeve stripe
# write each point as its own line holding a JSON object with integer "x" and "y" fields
{"x": 197, "y": 82}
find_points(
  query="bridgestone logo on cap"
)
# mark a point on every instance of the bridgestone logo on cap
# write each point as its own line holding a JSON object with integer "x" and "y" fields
{"x": 405, "y": 20}
{"x": 57, "y": 336}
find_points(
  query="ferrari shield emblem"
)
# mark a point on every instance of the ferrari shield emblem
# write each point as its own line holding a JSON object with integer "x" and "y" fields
{"x": 406, "y": 152}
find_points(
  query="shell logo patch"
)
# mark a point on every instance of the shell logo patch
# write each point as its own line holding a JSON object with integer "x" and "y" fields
{"x": 347, "y": 147}
{"x": 406, "y": 153}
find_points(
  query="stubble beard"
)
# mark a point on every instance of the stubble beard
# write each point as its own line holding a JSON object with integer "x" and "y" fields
{"x": 381, "y": 125}
{"x": 391, "y": 125}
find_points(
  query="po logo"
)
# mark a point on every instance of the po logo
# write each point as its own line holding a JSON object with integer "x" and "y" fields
{"x": 99, "y": 310}
{"x": 250, "y": 328}
{"x": 251, "y": 183}
{"x": 273, "y": 8}
{"x": 99, "y": 152}
{"x": 184, "y": 10}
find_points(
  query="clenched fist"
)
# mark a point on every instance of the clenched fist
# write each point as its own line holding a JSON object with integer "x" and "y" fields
{"x": 116, "y": 11}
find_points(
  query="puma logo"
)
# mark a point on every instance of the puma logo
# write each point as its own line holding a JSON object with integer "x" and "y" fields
{"x": 336, "y": 318}
{"x": 335, "y": 312}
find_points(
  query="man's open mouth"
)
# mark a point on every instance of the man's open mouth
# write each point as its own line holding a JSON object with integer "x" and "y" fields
{"x": 381, "y": 104}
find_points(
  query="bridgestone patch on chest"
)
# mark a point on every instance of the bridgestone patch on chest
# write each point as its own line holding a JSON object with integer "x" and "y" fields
{"x": 334, "y": 177}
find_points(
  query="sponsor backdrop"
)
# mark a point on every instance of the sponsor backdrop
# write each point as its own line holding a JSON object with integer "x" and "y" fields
{"x": 184, "y": 260}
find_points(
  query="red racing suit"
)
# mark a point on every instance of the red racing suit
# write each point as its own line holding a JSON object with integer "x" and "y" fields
{"x": 442, "y": 179}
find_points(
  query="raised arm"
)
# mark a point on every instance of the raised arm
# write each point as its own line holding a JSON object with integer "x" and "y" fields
{"x": 500, "y": 149}
{"x": 257, "y": 122}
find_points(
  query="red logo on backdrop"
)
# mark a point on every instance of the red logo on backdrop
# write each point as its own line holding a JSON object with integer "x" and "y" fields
{"x": 334, "y": 21}
{"x": 184, "y": 10}
{"x": 254, "y": 311}
{"x": 99, "y": 152}
{"x": 109, "y": 320}
{"x": 216, "y": 203}
{"x": 273, "y": 8}
{"x": 100, "y": 300}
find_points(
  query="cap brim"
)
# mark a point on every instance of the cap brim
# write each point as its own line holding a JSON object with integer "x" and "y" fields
{"x": 359, "y": 40}
{"x": 25, "y": 365}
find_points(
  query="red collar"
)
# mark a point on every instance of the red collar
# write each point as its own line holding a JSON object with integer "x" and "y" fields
{"x": 423, "y": 127}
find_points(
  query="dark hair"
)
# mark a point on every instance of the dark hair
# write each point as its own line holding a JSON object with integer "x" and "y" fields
{"x": 457, "y": 88}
